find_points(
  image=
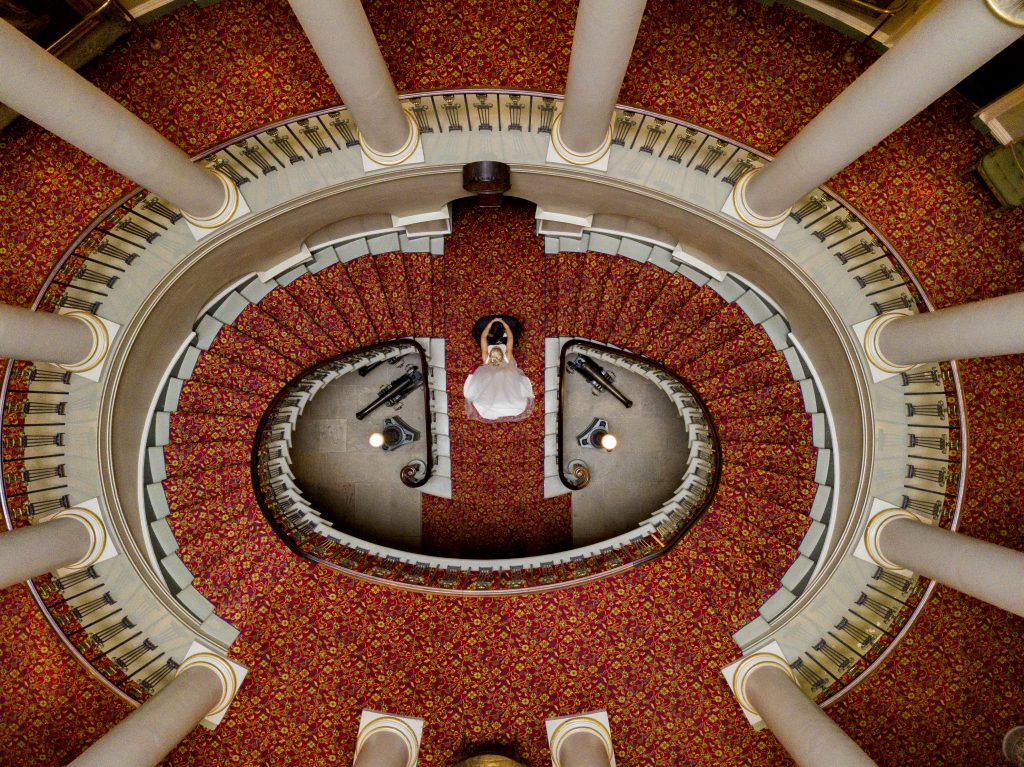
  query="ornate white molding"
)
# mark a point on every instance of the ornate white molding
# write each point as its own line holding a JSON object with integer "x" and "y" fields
{"x": 594, "y": 722}
{"x": 234, "y": 207}
{"x": 869, "y": 333}
{"x": 559, "y": 153}
{"x": 101, "y": 547}
{"x": 869, "y": 547}
{"x": 409, "y": 729}
{"x": 230, "y": 674}
{"x": 102, "y": 331}
{"x": 736, "y": 207}
{"x": 737, "y": 674}
{"x": 409, "y": 153}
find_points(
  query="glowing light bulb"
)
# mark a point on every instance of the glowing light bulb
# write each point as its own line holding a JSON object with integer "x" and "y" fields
{"x": 609, "y": 442}
{"x": 376, "y": 439}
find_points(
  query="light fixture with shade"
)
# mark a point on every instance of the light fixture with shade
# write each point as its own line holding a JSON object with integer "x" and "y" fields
{"x": 598, "y": 436}
{"x": 395, "y": 433}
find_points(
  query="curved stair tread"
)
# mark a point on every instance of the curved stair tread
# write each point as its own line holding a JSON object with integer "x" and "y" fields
{"x": 786, "y": 397}
{"x": 649, "y": 284}
{"x": 199, "y": 397}
{"x": 759, "y": 544}
{"x": 752, "y": 344}
{"x": 213, "y": 369}
{"x": 391, "y": 273}
{"x": 256, "y": 323}
{"x": 419, "y": 286}
{"x": 785, "y": 523}
{"x": 570, "y": 267}
{"x": 192, "y": 524}
{"x": 717, "y": 330}
{"x": 748, "y": 376}
{"x": 795, "y": 460}
{"x": 240, "y": 347}
{"x": 338, "y": 286}
{"x": 782, "y": 489}
{"x": 200, "y": 427}
{"x": 309, "y": 294}
{"x": 291, "y": 315}
{"x": 777, "y": 428}
{"x": 668, "y": 313}
{"x": 619, "y": 281}
{"x": 187, "y": 458}
{"x": 363, "y": 273}
{"x": 591, "y": 291}
{"x": 192, "y": 489}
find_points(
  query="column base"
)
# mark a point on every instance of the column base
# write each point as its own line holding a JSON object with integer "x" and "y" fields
{"x": 409, "y": 729}
{"x": 868, "y": 332}
{"x": 736, "y": 207}
{"x": 101, "y": 548}
{"x": 736, "y": 675}
{"x": 409, "y": 154}
{"x": 594, "y": 722}
{"x": 560, "y": 154}
{"x": 102, "y": 331}
{"x": 868, "y": 548}
{"x": 231, "y": 677}
{"x": 234, "y": 208}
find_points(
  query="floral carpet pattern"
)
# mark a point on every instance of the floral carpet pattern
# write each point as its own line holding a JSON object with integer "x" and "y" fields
{"x": 647, "y": 646}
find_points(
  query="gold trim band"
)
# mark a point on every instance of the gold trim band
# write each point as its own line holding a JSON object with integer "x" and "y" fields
{"x": 746, "y": 667}
{"x": 96, "y": 531}
{"x": 873, "y": 533}
{"x": 871, "y": 345}
{"x": 580, "y": 724}
{"x": 1015, "y": 19}
{"x": 224, "y": 672}
{"x": 748, "y": 216}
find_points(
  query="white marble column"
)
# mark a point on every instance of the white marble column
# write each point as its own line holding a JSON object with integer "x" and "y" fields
{"x": 764, "y": 686}
{"x": 56, "y": 97}
{"x": 386, "y": 741}
{"x": 946, "y": 45}
{"x": 584, "y": 740}
{"x": 986, "y": 328}
{"x": 76, "y": 341}
{"x": 897, "y": 540}
{"x": 601, "y": 47}
{"x": 42, "y": 548}
{"x": 148, "y": 734}
{"x": 344, "y": 42}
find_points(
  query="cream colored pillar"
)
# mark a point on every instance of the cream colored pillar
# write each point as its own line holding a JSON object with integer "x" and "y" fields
{"x": 601, "y": 46}
{"x": 584, "y": 740}
{"x": 51, "y": 94}
{"x": 764, "y": 685}
{"x": 897, "y": 540}
{"x": 386, "y": 741}
{"x": 344, "y": 42}
{"x": 77, "y": 341}
{"x": 946, "y": 45}
{"x": 987, "y": 328}
{"x": 204, "y": 686}
{"x": 26, "y": 552}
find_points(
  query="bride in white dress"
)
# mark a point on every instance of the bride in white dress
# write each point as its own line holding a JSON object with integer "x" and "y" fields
{"x": 498, "y": 390}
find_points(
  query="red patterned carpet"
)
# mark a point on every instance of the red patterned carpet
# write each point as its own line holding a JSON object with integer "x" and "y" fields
{"x": 495, "y": 265}
{"x": 647, "y": 646}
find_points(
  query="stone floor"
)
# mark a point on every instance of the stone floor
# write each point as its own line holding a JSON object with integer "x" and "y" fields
{"x": 346, "y": 480}
{"x": 643, "y": 471}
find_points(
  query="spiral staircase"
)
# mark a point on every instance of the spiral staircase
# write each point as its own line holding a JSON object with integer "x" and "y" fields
{"x": 771, "y": 558}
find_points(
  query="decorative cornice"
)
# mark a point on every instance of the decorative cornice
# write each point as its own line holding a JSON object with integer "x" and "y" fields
{"x": 99, "y": 543}
{"x": 230, "y": 675}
